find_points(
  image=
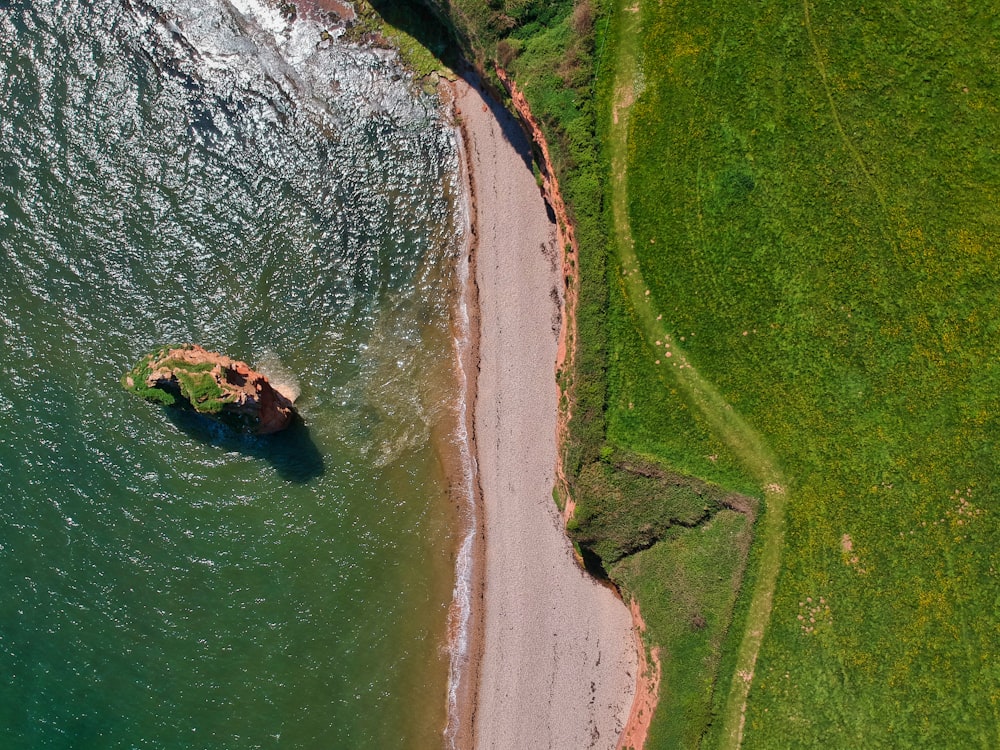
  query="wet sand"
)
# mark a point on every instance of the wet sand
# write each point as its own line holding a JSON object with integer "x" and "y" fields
{"x": 554, "y": 651}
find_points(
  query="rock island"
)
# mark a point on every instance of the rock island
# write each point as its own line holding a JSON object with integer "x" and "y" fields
{"x": 212, "y": 384}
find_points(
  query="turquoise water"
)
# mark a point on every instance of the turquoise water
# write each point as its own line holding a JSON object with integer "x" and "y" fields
{"x": 206, "y": 172}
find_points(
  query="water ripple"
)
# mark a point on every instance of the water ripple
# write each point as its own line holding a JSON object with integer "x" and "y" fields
{"x": 207, "y": 171}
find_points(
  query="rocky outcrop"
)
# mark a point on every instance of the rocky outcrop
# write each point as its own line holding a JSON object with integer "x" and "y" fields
{"x": 212, "y": 384}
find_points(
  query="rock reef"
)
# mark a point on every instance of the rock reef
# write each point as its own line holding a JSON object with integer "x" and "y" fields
{"x": 212, "y": 384}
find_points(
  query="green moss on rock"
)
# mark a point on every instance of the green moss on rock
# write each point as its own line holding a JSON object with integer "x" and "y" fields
{"x": 211, "y": 384}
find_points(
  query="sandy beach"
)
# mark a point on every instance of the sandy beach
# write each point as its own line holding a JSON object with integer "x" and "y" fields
{"x": 556, "y": 659}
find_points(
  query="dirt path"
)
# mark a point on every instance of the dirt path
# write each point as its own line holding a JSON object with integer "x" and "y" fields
{"x": 729, "y": 426}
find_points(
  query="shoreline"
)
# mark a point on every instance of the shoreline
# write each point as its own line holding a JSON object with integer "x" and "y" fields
{"x": 539, "y": 672}
{"x": 647, "y": 689}
{"x": 465, "y": 638}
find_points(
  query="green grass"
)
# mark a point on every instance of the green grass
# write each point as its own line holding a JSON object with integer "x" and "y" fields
{"x": 686, "y": 398}
{"x": 812, "y": 194}
{"x": 424, "y": 44}
{"x": 688, "y": 612}
{"x": 199, "y": 386}
{"x": 134, "y": 381}
{"x": 628, "y": 503}
{"x": 552, "y": 50}
{"x": 646, "y": 408}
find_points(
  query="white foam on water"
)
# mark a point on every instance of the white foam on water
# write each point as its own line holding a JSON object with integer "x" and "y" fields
{"x": 460, "y": 613}
{"x": 250, "y": 46}
{"x": 282, "y": 379}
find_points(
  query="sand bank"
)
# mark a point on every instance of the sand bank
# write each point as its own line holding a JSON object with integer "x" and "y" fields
{"x": 557, "y": 660}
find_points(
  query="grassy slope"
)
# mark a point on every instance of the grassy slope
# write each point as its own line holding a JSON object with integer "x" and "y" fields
{"x": 425, "y": 46}
{"x": 825, "y": 180}
{"x": 661, "y": 583}
{"x": 551, "y": 48}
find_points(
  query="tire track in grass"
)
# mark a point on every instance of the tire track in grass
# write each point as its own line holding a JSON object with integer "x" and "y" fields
{"x": 728, "y": 425}
{"x": 849, "y": 146}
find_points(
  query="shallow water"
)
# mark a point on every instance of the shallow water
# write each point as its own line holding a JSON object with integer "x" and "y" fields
{"x": 208, "y": 172}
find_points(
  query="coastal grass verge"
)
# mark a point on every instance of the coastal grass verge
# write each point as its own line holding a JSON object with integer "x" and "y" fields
{"x": 686, "y": 585}
{"x": 633, "y": 498}
{"x": 552, "y": 50}
{"x": 425, "y": 44}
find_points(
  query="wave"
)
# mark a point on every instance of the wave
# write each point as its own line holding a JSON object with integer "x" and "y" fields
{"x": 282, "y": 378}
{"x": 460, "y": 613}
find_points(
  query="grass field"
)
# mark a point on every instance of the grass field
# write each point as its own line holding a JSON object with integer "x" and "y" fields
{"x": 680, "y": 397}
{"x": 812, "y": 198}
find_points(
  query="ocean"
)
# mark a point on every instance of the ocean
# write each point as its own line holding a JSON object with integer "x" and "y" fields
{"x": 215, "y": 172}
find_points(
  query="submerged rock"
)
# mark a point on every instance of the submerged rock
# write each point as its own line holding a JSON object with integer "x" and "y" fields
{"x": 212, "y": 384}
